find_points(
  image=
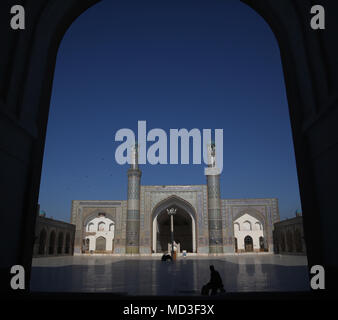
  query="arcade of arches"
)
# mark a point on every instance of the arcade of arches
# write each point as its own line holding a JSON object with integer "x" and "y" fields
{"x": 289, "y": 236}
{"x": 53, "y": 237}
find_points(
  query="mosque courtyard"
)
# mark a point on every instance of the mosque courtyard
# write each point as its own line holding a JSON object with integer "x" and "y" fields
{"x": 148, "y": 275}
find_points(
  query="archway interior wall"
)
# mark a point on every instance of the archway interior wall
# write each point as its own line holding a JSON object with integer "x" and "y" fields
{"x": 186, "y": 235}
{"x": 182, "y": 206}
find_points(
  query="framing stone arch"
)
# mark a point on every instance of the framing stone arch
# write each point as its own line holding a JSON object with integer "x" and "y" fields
{"x": 181, "y": 204}
{"x": 311, "y": 77}
{"x": 307, "y": 58}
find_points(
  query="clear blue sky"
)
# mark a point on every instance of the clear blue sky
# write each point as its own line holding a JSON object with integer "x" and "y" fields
{"x": 176, "y": 64}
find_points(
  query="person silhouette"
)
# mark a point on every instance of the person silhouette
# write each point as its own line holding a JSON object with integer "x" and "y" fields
{"x": 214, "y": 284}
{"x": 166, "y": 257}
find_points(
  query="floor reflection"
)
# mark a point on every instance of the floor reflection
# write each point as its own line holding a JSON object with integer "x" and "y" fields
{"x": 150, "y": 276}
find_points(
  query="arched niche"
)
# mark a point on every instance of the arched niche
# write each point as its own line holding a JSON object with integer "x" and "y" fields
{"x": 182, "y": 206}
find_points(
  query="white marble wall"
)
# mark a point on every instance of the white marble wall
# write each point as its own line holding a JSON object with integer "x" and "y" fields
{"x": 247, "y": 225}
{"x": 101, "y": 227}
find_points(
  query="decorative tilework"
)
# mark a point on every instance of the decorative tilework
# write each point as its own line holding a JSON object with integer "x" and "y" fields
{"x": 133, "y": 188}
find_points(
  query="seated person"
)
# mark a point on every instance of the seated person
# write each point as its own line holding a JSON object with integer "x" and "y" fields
{"x": 214, "y": 284}
{"x": 166, "y": 257}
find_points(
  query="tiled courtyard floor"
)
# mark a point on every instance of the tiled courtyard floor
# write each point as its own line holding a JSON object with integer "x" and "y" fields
{"x": 185, "y": 276}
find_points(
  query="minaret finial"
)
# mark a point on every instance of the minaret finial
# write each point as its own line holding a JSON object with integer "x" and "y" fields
{"x": 212, "y": 165}
{"x": 134, "y": 156}
{"x": 212, "y": 155}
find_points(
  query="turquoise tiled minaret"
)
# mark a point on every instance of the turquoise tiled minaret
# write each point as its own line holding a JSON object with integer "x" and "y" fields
{"x": 214, "y": 203}
{"x": 133, "y": 205}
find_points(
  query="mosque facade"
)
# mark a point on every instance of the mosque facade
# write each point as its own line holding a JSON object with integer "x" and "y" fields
{"x": 203, "y": 224}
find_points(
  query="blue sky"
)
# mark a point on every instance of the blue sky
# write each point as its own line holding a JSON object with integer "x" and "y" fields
{"x": 176, "y": 64}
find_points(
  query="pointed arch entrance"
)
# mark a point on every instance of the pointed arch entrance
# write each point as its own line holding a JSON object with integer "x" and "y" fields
{"x": 248, "y": 244}
{"x": 184, "y": 225}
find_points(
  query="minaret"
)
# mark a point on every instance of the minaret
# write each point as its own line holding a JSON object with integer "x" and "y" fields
{"x": 133, "y": 204}
{"x": 214, "y": 202}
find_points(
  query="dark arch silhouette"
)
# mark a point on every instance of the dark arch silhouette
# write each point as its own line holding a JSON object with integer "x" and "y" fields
{"x": 310, "y": 71}
{"x": 248, "y": 244}
{"x": 52, "y": 237}
{"x": 100, "y": 244}
{"x": 67, "y": 246}
{"x": 298, "y": 240}
{"x": 261, "y": 243}
{"x": 42, "y": 242}
{"x": 289, "y": 240}
{"x": 60, "y": 243}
